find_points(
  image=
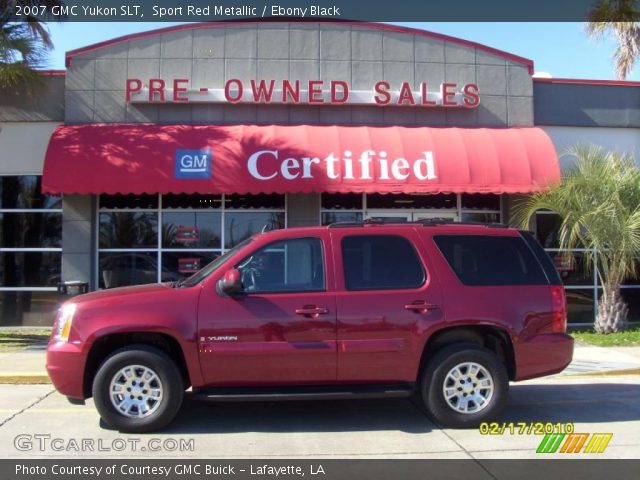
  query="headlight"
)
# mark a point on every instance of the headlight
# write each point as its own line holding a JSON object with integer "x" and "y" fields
{"x": 63, "y": 327}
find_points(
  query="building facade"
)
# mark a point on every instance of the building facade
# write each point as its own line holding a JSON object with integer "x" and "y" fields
{"x": 152, "y": 154}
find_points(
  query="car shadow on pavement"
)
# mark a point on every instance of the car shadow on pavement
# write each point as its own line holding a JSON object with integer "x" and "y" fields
{"x": 300, "y": 416}
{"x": 557, "y": 402}
{"x": 573, "y": 402}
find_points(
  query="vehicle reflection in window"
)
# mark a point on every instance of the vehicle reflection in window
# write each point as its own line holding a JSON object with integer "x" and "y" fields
{"x": 123, "y": 269}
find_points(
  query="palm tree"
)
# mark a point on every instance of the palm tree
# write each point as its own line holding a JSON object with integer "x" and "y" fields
{"x": 619, "y": 17}
{"x": 24, "y": 45}
{"x": 599, "y": 204}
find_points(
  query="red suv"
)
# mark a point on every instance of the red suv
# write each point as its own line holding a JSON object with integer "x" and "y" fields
{"x": 448, "y": 312}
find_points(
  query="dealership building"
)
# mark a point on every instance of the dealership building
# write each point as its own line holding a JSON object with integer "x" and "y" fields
{"x": 151, "y": 154}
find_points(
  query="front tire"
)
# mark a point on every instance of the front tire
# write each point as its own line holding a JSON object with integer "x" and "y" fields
{"x": 464, "y": 385}
{"x": 138, "y": 389}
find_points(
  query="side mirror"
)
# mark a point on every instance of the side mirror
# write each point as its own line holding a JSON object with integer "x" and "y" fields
{"x": 230, "y": 284}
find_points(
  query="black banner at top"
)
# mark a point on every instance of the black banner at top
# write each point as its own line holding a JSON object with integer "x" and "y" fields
{"x": 314, "y": 10}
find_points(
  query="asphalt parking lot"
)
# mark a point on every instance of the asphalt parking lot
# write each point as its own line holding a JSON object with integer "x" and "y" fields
{"x": 37, "y": 422}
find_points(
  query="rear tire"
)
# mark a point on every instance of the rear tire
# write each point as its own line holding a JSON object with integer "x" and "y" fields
{"x": 138, "y": 389}
{"x": 464, "y": 385}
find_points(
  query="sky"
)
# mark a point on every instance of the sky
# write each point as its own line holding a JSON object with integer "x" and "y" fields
{"x": 561, "y": 49}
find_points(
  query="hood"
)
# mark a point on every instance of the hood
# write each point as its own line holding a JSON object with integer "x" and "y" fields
{"x": 121, "y": 293}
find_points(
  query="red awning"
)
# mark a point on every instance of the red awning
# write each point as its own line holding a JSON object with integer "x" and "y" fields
{"x": 144, "y": 158}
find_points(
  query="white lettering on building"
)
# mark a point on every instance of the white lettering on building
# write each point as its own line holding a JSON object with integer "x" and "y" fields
{"x": 266, "y": 165}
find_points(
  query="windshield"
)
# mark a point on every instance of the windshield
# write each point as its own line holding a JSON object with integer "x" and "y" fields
{"x": 213, "y": 266}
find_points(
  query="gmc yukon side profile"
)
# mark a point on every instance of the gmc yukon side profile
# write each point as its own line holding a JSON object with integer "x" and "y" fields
{"x": 448, "y": 312}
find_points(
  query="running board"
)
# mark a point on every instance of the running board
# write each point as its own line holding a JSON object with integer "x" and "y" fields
{"x": 270, "y": 394}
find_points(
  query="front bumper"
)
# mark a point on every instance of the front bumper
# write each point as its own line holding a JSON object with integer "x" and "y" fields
{"x": 543, "y": 355}
{"x": 65, "y": 366}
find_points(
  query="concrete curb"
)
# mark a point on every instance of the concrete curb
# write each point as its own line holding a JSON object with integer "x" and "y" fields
{"x": 24, "y": 378}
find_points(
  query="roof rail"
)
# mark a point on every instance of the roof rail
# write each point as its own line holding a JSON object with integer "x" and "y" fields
{"x": 427, "y": 222}
{"x": 368, "y": 221}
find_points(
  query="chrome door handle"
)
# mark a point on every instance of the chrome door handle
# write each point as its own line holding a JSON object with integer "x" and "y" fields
{"x": 311, "y": 311}
{"x": 420, "y": 306}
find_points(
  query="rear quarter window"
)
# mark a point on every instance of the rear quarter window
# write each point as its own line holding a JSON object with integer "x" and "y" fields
{"x": 490, "y": 260}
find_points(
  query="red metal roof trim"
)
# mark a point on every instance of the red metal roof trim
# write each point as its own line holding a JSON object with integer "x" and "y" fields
{"x": 586, "y": 81}
{"x": 372, "y": 25}
{"x": 142, "y": 158}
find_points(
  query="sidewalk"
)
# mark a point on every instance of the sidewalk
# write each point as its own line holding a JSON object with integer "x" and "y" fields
{"x": 28, "y": 366}
{"x": 589, "y": 359}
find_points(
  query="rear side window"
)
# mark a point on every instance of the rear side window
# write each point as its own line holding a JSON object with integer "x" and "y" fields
{"x": 381, "y": 262}
{"x": 491, "y": 260}
{"x": 543, "y": 257}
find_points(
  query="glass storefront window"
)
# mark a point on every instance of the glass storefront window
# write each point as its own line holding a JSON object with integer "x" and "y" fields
{"x": 632, "y": 297}
{"x": 241, "y": 225}
{"x": 388, "y": 201}
{"x": 580, "y": 306}
{"x": 191, "y": 230}
{"x": 547, "y": 229}
{"x": 119, "y": 269}
{"x": 116, "y": 202}
{"x": 342, "y": 201}
{"x": 571, "y": 267}
{"x": 31, "y": 229}
{"x": 185, "y": 264}
{"x": 333, "y": 217}
{"x": 480, "y": 217}
{"x": 480, "y": 201}
{"x": 261, "y": 201}
{"x": 196, "y": 201}
{"x": 28, "y": 308}
{"x": 128, "y": 230}
{"x": 30, "y": 251}
{"x": 29, "y": 269}
{"x": 24, "y": 192}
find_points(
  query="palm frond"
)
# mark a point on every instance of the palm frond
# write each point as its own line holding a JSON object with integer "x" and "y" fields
{"x": 598, "y": 201}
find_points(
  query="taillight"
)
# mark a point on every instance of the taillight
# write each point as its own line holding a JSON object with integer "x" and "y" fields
{"x": 558, "y": 309}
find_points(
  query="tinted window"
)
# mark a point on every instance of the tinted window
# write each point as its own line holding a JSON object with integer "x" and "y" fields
{"x": 295, "y": 265}
{"x": 479, "y": 260}
{"x": 380, "y": 262}
{"x": 550, "y": 268}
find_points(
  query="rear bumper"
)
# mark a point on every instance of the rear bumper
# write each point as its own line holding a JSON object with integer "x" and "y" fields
{"x": 543, "y": 355}
{"x": 65, "y": 366}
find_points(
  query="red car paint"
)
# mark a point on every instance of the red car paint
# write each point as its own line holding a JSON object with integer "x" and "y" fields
{"x": 331, "y": 337}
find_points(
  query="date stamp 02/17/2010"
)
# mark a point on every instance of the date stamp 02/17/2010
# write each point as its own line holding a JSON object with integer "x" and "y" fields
{"x": 557, "y": 437}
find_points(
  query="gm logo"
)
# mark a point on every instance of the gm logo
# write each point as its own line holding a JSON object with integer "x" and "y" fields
{"x": 193, "y": 164}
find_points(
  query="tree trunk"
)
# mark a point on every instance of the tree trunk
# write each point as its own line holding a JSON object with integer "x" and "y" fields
{"x": 612, "y": 311}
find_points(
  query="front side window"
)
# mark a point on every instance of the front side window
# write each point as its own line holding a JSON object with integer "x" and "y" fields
{"x": 381, "y": 262}
{"x": 295, "y": 265}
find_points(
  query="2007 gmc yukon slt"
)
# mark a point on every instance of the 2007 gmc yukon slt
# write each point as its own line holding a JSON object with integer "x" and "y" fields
{"x": 450, "y": 312}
